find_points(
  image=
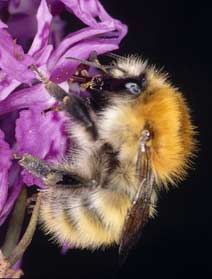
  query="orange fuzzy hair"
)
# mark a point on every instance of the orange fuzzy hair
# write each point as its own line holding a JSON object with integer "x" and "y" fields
{"x": 162, "y": 109}
{"x": 173, "y": 144}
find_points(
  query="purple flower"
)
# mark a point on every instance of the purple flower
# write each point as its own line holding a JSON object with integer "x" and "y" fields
{"x": 34, "y": 34}
{"x": 6, "y": 153}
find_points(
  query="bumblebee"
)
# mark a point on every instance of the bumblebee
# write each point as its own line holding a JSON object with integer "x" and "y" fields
{"x": 133, "y": 138}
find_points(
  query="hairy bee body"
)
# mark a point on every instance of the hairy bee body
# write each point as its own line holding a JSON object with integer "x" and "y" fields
{"x": 90, "y": 217}
{"x": 134, "y": 138}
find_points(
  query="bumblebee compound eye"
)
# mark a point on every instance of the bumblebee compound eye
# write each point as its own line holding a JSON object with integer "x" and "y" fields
{"x": 133, "y": 87}
{"x": 136, "y": 86}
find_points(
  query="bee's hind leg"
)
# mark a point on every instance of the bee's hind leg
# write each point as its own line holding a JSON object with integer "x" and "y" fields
{"x": 50, "y": 175}
{"x": 31, "y": 201}
{"x": 39, "y": 168}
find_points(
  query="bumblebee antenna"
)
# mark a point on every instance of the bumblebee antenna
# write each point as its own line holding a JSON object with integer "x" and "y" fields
{"x": 104, "y": 68}
{"x": 115, "y": 56}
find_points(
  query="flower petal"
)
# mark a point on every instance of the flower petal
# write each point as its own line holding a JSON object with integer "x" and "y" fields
{"x": 74, "y": 38}
{"x": 3, "y": 187}
{"x": 35, "y": 96}
{"x": 44, "y": 19}
{"x": 36, "y": 132}
{"x": 14, "y": 193}
{"x": 91, "y": 12}
{"x": 65, "y": 68}
{"x": 5, "y": 165}
{"x": 22, "y": 6}
{"x": 41, "y": 57}
{"x": 2, "y": 24}
{"x": 7, "y": 85}
{"x": 22, "y": 27}
{"x": 7, "y": 124}
{"x": 57, "y": 31}
{"x": 34, "y": 128}
{"x": 13, "y": 61}
{"x": 3, "y": 4}
{"x": 87, "y": 11}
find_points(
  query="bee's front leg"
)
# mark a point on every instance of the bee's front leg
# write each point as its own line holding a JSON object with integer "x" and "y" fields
{"x": 73, "y": 104}
{"x": 52, "y": 176}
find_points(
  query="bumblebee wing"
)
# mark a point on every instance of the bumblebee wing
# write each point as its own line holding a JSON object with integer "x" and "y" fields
{"x": 138, "y": 214}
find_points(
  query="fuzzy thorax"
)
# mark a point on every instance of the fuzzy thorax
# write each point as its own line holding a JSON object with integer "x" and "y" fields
{"x": 162, "y": 109}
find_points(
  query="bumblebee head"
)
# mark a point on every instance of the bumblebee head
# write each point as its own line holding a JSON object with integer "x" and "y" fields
{"x": 140, "y": 98}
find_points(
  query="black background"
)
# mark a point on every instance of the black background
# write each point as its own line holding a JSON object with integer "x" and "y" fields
{"x": 176, "y": 244}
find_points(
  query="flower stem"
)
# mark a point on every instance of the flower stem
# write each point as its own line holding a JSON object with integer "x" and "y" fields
{"x": 27, "y": 237}
{"x": 15, "y": 224}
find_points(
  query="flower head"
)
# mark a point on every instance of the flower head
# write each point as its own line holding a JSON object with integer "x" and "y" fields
{"x": 34, "y": 34}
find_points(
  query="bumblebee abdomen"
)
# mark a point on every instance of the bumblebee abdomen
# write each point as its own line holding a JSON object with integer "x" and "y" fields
{"x": 85, "y": 221}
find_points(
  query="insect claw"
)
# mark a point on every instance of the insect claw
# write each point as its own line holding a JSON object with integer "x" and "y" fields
{"x": 17, "y": 156}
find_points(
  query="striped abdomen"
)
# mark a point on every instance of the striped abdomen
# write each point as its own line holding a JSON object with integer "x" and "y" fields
{"x": 85, "y": 219}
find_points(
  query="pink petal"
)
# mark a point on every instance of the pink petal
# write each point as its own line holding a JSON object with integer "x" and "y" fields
{"x": 91, "y": 12}
{"x": 7, "y": 85}
{"x": 5, "y": 164}
{"x": 44, "y": 19}
{"x": 7, "y": 124}
{"x": 72, "y": 39}
{"x": 42, "y": 135}
{"x": 2, "y": 24}
{"x": 57, "y": 31}
{"x": 64, "y": 67}
{"x": 3, "y": 187}
{"x": 35, "y": 96}
{"x": 41, "y": 57}
{"x": 23, "y": 6}
{"x": 87, "y": 11}
{"x": 13, "y": 61}
{"x": 56, "y": 7}
{"x": 22, "y": 27}
{"x": 14, "y": 193}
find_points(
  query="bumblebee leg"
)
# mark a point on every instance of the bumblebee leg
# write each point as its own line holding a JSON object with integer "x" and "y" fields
{"x": 74, "y": 105}
{"x": 31, "y": 201}
{"x": 77, "y": 108}
{"x": 39, "y": 168}
{"x": 52, "y": 176}
{"x": 93, "y": 57}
